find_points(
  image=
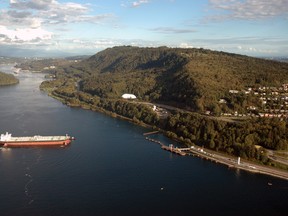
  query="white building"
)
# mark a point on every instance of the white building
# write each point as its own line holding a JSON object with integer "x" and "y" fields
{"x": 128, "y": 96}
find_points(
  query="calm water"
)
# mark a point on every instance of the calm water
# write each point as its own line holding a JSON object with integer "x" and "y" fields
{"x": 111, "y": 169}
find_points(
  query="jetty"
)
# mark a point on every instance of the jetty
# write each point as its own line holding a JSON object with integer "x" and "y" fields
{"x": 173, "y": 149}
{"x": 170, "y": 148}
{"x": 216, "y": 157}
{"x": 154, "y": 140}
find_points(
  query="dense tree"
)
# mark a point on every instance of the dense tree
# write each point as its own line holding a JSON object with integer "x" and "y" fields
{"x": 192, "y": 79}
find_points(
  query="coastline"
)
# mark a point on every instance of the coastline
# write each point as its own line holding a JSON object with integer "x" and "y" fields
{"x": 227, "y": 160}
{"x": 245, "y": 165}
{"x": 213, "y": 156}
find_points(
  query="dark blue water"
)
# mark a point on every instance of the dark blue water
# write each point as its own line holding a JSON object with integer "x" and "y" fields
{"x": 111, "y": 169}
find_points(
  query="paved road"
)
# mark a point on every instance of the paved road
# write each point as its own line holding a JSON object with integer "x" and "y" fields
{"x": 233, "y": 162}
{"x": 229, "y": 161}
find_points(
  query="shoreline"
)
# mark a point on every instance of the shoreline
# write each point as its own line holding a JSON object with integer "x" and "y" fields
{"x": 229, "y": 161}
{"x": 220, "y": 157}
{"x": 245, "y": 165}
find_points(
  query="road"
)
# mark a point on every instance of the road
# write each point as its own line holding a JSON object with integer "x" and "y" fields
{"x": 227, "y": 160}
{"x": 233, "y": 162}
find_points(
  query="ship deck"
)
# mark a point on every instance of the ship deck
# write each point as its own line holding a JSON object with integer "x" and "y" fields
{"x": 38, "y": 138}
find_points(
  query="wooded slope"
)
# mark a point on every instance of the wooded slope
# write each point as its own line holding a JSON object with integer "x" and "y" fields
{"x": 191, "y": 78}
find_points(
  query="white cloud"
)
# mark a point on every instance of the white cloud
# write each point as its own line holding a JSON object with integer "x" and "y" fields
{"x": 96, "y": 44}
{"x": 32, "y": 4}
{"x": 100, "y": 44}
{"x": 35, "y": 13}
{"x": 253, "y": 46}
{"x": 185, "y": 45}
{"x": 138, "y": 3}
{"x": 255, "y": 50}
{"x": 248, "y": 9}
{"x": 28, "y": 21}
{"x": 170, "y": 30}
{"x": 27, "y": 35}
{"x": 19, "y": 19}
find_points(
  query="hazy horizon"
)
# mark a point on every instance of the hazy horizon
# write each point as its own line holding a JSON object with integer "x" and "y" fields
{"x": 60, "y": 54}
{"x": 58, "y": 28}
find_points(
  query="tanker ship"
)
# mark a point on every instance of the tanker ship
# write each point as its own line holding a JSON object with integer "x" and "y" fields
{"x": 6, "y": 140}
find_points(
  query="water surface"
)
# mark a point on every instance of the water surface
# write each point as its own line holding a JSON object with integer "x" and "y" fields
{"x": 111, "y": 169}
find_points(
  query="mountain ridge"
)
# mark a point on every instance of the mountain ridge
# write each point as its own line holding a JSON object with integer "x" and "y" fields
{"x": 206, "y": 85}
{"x": 194, "y": 78}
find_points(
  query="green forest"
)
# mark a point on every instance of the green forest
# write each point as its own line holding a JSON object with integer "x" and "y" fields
{"x": 191, "y": 79}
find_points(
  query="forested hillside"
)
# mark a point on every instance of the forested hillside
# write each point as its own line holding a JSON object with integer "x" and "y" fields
{"x": 192, "y": 78}
{"x": 195, "y": 80}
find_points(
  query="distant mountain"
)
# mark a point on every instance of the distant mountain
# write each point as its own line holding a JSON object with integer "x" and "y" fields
{"x": 280, "y": 59}
{"x": 191, "y": 78}
{"x": 11, "y": 60}
{"x": 79, "y": 57}
{"x": 15, "y": 51}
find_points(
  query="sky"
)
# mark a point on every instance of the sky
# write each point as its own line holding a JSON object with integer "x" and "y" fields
{"x": 50, "y": 28}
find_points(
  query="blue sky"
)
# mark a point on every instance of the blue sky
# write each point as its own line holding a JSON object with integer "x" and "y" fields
{"x": 61, "y": 27}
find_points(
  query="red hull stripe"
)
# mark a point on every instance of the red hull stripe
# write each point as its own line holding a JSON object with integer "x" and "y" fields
{"x": 39, "y": 143}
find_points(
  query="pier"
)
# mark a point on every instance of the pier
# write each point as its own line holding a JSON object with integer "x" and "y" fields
{"x": 229, "y": 161}
{"x": 173, "y": 149}
{"x": 155, "y": 141}
{"x": 170, "y": 148}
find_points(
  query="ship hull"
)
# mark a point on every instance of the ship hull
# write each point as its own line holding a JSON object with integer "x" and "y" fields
{"x": 7, "y": 140}
{"x": 36, "y": 143}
